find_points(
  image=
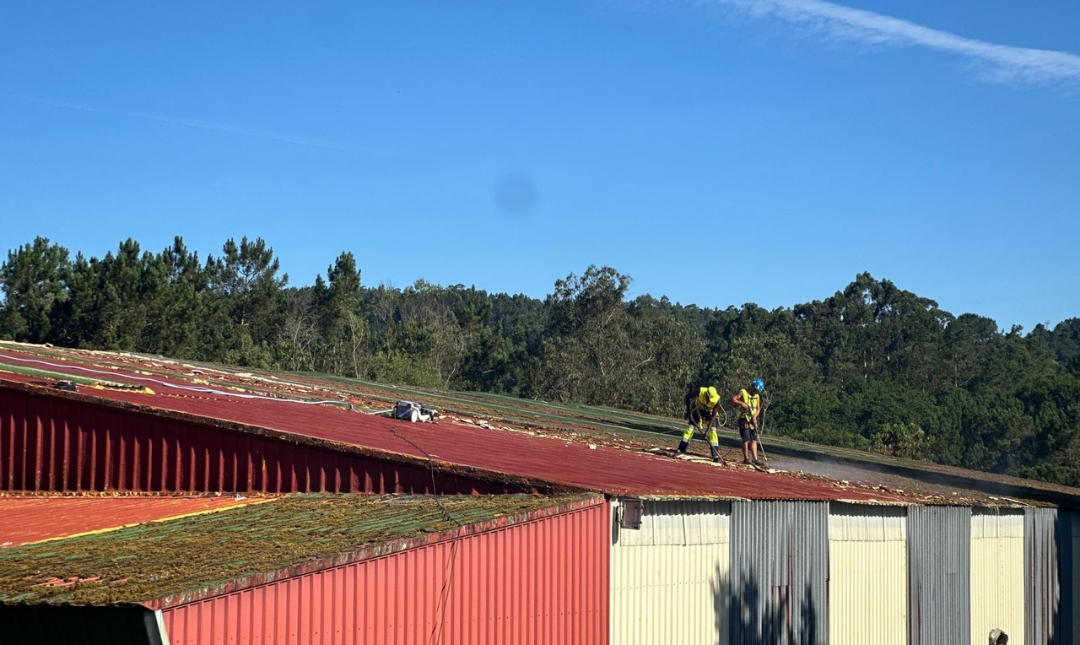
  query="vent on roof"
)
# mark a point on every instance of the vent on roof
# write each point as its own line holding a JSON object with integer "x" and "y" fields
{"x": 630, "y": 512}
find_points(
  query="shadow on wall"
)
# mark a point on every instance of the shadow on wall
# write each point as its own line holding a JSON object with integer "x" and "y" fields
{"x": 809, "y": 619}
{"x": 768, "y": 620}
{"x": 1064, "y": 622}
{"x": 721, "y": 602}
{"x": 1050, "y": 545}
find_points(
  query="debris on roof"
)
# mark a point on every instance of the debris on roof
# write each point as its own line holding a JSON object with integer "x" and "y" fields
{"x": 539, "y": 440}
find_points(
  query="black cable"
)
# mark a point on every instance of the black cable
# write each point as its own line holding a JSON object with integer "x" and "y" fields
{"x": 444, "y": 593}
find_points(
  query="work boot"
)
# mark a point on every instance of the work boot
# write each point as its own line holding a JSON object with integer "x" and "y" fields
{"x": 714, "y": 451}
{"x": 683, "y": 445}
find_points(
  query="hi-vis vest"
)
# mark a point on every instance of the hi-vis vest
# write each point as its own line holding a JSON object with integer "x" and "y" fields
{"x": 703, "y": 397}
{"x": 751, "y": 400}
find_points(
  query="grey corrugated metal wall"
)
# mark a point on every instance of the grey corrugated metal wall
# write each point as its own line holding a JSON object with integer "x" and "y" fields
{"x": 939, "y": 575}
{"x": 779, "y": 573}
{"x": 1046, "y": 543}
{"x": 1069, "y": 555}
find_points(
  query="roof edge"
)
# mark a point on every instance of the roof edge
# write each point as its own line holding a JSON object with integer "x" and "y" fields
{"x": 527, "y": 484}
{"x": 369, "y": 552}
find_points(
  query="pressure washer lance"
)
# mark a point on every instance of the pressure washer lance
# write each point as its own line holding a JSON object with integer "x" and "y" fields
{"x": 761, "y": 429}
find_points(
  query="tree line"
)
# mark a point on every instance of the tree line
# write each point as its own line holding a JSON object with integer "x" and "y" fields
{"x": 872, "y": 366}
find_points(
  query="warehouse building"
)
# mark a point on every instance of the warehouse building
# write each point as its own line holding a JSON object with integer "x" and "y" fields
{"x": 693, "y": 552}
{"x": 314, "y": 569}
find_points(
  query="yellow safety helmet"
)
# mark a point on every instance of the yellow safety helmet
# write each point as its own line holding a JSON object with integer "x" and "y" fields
{"x": 714, "y": 396}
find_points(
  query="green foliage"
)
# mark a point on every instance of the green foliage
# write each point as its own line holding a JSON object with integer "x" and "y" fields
{"x": 403, "y": 369}
{"x": 872, "y": 366}
{"x": 35, "y": 285}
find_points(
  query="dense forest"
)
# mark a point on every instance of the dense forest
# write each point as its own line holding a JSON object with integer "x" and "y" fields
{"x": 872, "y": 366}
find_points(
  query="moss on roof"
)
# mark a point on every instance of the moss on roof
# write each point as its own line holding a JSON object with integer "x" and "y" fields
{"x": 161, "y": 559}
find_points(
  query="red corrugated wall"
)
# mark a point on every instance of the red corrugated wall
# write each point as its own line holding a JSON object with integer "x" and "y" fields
{"x": 540, "y": 582}
{"x": 64, "y": 445}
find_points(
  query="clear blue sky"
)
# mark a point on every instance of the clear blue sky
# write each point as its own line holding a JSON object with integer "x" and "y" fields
{"x": 719, "y": 152}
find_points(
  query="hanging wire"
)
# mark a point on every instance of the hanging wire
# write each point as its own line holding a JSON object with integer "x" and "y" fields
{"x": 444, "y": 593}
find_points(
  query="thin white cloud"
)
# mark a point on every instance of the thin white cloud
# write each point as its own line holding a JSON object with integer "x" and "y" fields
{"x": 193, "y": 123}
{"x": 999, "y": 63}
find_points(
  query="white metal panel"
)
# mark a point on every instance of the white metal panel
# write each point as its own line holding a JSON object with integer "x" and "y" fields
{"x": 669, "y": 580}
{"x": 867, "y": 575}
{"x": 997, "y": 576}
{"x": 994, "y": 526}
{"x": 679, "y": 524}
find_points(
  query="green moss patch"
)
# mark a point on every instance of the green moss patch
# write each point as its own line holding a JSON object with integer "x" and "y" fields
{"x": 162, "y": 559}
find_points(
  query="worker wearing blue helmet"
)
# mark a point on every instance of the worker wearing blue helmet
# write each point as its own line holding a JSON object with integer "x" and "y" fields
{"x": 749, "y": 401}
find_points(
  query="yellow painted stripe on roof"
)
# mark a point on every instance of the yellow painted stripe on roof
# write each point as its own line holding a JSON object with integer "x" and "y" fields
{"x": 160, "y": 519}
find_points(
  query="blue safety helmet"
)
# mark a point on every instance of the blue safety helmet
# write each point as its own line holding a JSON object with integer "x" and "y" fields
{"x": 758, "y": 385}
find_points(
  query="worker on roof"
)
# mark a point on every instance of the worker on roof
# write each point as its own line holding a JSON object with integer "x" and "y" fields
{"x": 702, "y": 406}
{"x": 749, "y": 401}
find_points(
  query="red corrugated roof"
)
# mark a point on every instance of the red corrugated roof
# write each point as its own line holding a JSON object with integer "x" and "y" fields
{"x": 611, "y": 470}
{"x": 38, "y": 518}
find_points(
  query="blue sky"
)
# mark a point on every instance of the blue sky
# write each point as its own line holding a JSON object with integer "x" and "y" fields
{"x": 718, "y": 151}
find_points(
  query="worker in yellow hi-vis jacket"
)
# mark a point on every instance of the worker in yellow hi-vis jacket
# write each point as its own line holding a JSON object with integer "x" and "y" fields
{"x": 749, "y": 401}
{"x": 702, "y": 406}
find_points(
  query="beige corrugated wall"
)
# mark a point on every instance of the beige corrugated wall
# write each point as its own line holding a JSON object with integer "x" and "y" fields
{"x": 997, "y": 575}
{"x": 669, "y": 579}
{"x": 867, "y": 575}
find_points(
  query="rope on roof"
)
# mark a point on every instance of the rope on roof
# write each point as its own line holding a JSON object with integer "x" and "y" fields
{"x": 190, "y": 388}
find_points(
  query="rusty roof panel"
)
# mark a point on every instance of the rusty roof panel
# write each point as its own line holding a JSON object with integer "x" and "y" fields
{"x": 601, "y": 468}
{"x": 79, "y": 443}
{"x": 528, "y": 455}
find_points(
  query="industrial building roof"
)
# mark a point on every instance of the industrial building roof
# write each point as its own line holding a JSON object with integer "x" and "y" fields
{"x": 572, "y": 463}
{"x": 593, "y": 455}
{"x": 39, "y": 518}
{"x": 165, "y": 563}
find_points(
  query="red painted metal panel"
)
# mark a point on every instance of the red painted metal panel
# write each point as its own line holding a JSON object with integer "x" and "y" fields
{"x": 542, "y": 581}
{"x": 74, "y": 444}
{"x": 275, "y": 463}
{"x": 553, "y": 459}
{"x": 32, "y": 519}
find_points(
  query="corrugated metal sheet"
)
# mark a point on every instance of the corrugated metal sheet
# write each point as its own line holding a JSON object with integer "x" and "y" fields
{"x": 121, "y": 456}
{"x": 669, "y": 579}
{"x": 867, "y": 575}
{"x": 997, "y": 575}
{"x": 1070, "y": 577}
{"x": 220, "y": 553}
{"x": 779, "y": 573}
{"x": 939, "y": 575}
{"x": 33, "y": 519}
{"x": 543, "y": 581}
{"x": 1043, "y": 606}
{"x": 70, "y": 445}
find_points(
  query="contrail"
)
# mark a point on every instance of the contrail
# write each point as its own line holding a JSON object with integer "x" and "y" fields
{"x": 999, "y": 63}
{"x": 193, "y": 123}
